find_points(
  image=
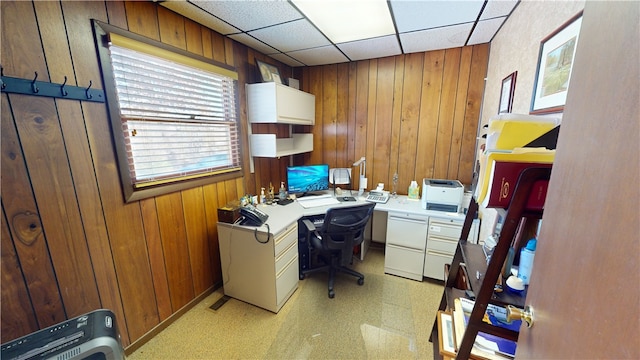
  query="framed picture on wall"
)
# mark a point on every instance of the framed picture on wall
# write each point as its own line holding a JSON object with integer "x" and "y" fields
{"x": 268, "y": 72}
{"x": 506, "y": 93}
{"x": 555, "y": 61}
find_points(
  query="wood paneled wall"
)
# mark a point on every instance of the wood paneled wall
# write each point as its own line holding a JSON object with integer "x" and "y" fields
{"x": 70, "y": 244}
{"x": 416, "y": 114}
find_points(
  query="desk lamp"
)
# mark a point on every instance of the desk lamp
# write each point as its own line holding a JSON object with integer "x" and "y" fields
{"x": 362, "y": 163}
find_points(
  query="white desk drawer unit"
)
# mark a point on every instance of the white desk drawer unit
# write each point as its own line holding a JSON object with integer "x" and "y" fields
{"x": 442, "y": 240}
{"x": 405, "y": 244}
{"x": 262, "y": 274}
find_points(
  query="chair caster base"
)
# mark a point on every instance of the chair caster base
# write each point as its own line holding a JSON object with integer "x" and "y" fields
{"x": 332, "y": 294}
{"x": 360, "y": 282}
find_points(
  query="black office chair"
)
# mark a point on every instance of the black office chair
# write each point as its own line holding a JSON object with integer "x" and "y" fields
{"x": 342, "y": 230}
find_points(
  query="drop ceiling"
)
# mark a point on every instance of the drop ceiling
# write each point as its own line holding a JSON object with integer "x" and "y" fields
{"x": 282, "y": 31}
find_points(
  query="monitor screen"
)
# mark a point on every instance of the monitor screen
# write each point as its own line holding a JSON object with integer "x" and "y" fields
{"x": 307, "y": 178}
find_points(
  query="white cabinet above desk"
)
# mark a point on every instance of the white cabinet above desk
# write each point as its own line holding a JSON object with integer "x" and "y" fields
{"x": 276, "y": 103}
{"x": 279, "y": 104}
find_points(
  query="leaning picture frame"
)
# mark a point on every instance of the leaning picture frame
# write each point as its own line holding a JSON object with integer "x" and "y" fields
{"x": 555, "y": 62}
{"x": 268, "y": 72}
{"x": 506, "y": 93}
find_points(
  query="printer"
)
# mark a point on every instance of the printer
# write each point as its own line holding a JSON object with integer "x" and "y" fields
{"x": 442, "y": 195}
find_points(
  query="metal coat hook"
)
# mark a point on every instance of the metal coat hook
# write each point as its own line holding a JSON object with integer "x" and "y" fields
{"x": 62, "y": 90}
{"x": 34, "y": 88}
{"x": 89, "y": 96}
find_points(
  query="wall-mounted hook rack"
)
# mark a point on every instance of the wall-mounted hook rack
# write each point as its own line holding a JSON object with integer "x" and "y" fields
{"x": 43, "y": 88}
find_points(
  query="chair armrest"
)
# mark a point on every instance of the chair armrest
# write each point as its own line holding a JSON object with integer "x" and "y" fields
{"x": 309, "y": 225}
{"x": 311, "y": 230}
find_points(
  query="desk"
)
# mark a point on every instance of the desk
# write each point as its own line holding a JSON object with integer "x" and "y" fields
{"x": 266, "y": 274}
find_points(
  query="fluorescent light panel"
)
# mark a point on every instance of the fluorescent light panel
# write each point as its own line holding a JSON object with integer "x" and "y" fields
{"x": 348, "y": 20}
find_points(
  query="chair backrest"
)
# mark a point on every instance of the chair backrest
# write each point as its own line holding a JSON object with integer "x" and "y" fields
{"x": 343, "y": 228}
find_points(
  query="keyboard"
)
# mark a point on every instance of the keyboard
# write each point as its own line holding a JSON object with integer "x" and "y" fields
{"x": 315, "y": 201}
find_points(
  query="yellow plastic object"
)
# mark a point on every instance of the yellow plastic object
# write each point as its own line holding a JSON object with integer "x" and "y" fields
{"x": 509, "y": 134}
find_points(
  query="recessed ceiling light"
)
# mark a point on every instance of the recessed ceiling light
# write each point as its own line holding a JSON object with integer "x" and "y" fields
{"x": 348, "y": 20}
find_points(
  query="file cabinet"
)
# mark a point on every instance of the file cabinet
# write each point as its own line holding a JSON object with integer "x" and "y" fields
{"x": 259, "y": 267}
{"x": 442, "y": 239}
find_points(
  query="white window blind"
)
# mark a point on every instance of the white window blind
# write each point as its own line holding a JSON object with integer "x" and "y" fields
{"x": 179, "y": 121}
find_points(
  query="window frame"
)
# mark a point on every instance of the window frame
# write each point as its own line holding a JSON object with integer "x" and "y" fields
{"x": 130, "y": 192}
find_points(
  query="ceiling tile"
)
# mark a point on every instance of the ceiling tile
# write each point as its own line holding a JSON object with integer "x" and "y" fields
{"x": 497, "y": 8}
{"x": 291, "y": 36}
{"x": 319, "y": 56}
{"x": 371, "y": 48}
{"x": 484, "y": 31}
{"x": 434, "y": 39}
{"x": 196, "y": 14}
{"x": 419, "y": 15}
{"x": 254, "y": 43}
{"x": 286, "y": 59}
{"x": 250, "y": 15}
{"x": 348, "y": 20}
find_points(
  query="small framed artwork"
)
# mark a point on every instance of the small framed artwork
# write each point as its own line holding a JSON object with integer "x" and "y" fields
{"x": 446, "y": 337}
{"x": 506, "y": 94}
{"x": 268, "y": 72}
{"x": 555, "y": 61}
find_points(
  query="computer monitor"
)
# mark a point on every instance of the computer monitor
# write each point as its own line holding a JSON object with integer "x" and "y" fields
{"x": 305, "y": 179}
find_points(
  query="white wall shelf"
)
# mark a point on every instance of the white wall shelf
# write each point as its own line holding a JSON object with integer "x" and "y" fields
{"x": 267, "y": 145}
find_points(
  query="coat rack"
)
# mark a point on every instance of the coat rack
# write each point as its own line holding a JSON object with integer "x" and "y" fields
{"x": 48, "y": 89}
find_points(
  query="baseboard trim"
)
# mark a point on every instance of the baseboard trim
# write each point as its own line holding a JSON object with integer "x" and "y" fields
{"x": 168, "y": 321}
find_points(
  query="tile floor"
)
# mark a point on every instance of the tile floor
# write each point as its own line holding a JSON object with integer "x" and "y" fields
{"x": 389, "y": 317}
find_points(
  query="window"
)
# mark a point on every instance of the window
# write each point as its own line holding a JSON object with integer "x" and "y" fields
{"x": 174, "y": 115}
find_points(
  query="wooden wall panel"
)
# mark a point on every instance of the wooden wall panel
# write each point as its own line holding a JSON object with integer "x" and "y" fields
{"x": 328, "y": 121}
{"x": 410, "y": 124}
{"x": 459, "y": 112}
{"x": 151, "y": 225}
{"x": 26, "y": 231}
{"x": 378, "y": 165}
{"x": 342, "y": 139}
{"x": 210, "y": 195}
{"x": 172, "y": 28}
{"x": 396, "y": 119}
{"x": 479, "y": 62}
{"x": 142, "y": 18}
{"x": 176, "y": 251}
{"x": 17, "y": 314}
{"x": 361, "y": 116}
{"x": 197, "y": 239}
{"x": 445, "y": 115}
{"x": 315, "y": 87}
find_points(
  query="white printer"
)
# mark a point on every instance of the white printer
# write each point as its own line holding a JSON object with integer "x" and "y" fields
{"x": 442, "y": 195}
